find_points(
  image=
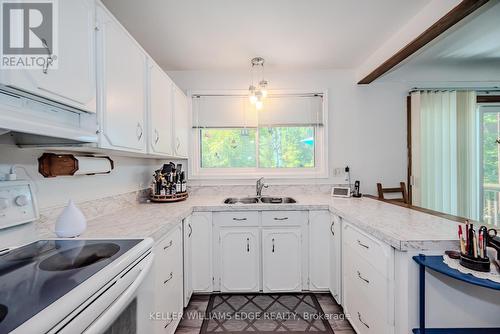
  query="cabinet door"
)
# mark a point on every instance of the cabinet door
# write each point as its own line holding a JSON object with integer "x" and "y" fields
{"x": 239, "y": 259}
{"x": 319, "y": 259}
{"x": 181, "y": 123}
{"x": 188, "y": 265}
{"x": 282, "y": 261}
{"x": 160, "y": 109}
{"x": 73, "y": 82}
{"x": 201, "y": 252}
{"x": 123, "y": 87}
{"x": 335, "y": 247}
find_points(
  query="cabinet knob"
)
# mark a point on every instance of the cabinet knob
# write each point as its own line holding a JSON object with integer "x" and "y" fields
{"x": 22, "y": 200}
{"x": 170, "y": 276}
{"x": 169, "y": 245}
{"x": 139, "y": 131}
{"x": 363, "y": 245}
{"x": 361, "y": 320}
{"x": 157, "y": 136}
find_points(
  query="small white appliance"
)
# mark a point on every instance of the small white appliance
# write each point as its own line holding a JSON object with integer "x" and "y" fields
{"x": 68, "y": 285}
{"x": 341, "y": 191}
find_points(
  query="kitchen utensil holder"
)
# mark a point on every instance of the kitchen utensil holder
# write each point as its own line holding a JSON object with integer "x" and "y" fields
{"x": 475, "y": 263}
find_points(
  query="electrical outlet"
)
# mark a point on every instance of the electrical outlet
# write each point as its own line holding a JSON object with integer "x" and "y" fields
{"x": 338, "y": 171}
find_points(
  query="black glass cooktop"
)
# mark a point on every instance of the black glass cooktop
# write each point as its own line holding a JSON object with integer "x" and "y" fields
{"x": 34, "y": 276}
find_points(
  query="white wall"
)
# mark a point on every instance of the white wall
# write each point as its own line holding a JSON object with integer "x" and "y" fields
{"x": 130, "y": 174}
{"x": 367, "y": 124}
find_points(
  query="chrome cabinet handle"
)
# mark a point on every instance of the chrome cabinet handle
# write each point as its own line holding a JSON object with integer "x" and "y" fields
{"x": 362, "y": 278}
{"x": 190, "y": 230}
{"x": 170, "y": 276}
{"x": 169, "y": 245}
{"x": 168, "y": 323}
{"x": 248, "y": 245}
{"x": 331, "y": 228}
{"x": 273, "y": 245}
{"x": 284, "y": 218}
{"x": 239, "y": 219}
{"x": 157, "y": 137}
{"x": 363, "y": 245}
{"x": 45, "y": 68}
{"x": 361, "y": 320}
{"x": 139, "y": 131}
{"x": 178, "y": 144}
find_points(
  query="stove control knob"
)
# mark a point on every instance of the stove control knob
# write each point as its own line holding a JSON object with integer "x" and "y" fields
{"x": 22, "y": 200}
{"x": 4, "y": 203}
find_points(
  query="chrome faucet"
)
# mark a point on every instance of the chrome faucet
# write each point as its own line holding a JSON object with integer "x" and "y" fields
{"x": 259, "y": 185}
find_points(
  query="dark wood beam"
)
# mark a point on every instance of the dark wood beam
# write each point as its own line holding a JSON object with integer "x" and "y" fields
{"x": 454, "y": 16}
{"x": 488, "y": 99}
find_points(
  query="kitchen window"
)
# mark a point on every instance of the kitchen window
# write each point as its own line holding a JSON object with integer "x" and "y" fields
{"x": 234, "y": 140}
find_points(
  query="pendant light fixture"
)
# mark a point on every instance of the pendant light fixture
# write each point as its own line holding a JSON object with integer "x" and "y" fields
{"x": 257, "y": 93}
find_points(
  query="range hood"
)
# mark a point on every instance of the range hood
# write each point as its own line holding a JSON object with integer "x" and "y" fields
{"x": 39, "y": 121}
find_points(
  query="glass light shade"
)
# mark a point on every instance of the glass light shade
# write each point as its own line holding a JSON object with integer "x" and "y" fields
{"x": 259, "y": 105}
{"x": 253, "y": 99}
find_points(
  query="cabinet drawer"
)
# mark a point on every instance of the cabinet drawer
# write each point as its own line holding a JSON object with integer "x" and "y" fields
{"x": 362, "y": 316}
{"x": 369, "y": 283}
{"x": 237, "y": 218}
{"x": 284, "y": 218}
{"x": 168, "y": 257}
{"x": 375, "y": 252}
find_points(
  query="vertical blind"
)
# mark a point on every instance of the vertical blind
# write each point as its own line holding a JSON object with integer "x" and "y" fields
{"x": 237, "y": 111}
{"x": 445, "y": 158}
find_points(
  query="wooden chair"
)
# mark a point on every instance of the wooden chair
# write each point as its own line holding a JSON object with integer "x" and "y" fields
{"x": 401, "y": 189}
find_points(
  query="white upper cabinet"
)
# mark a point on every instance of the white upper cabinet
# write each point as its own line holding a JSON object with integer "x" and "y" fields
{"x": 161, "y": 105}
{"x": 181, "y": 123}
{"x": 319, "y": 260}
{"x": 73, "y": 82}
{"x": 282, "y": 260}
{"x": 122, "y": 67}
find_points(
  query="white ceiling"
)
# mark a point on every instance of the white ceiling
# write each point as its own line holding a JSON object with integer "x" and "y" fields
{"x": 469, "y": 52}
{"x": 295, "y": 34}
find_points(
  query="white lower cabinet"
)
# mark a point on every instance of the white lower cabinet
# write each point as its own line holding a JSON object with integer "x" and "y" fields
{"x": 282, "y": 259}
{"x": 168, "y": 298}
{"x": 319, "y": 252}
{"x": 187, "y": 232}
{"x": 238, "y": 256}
{"x": 368, "y": 281}
{"x": 201, "y": 252}
{"x": 335, "y": 248}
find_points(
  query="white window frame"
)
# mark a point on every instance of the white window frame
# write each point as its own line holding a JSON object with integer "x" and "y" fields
{"x": 320, "y": 169}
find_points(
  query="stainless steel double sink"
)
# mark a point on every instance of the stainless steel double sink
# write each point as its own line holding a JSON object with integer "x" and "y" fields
{"x": 262, "y": 200}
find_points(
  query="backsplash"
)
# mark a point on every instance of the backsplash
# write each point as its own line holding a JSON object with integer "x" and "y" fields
{"x": 272, "y": 190}
{"x": 92, "y": 209}
{"x": 95, "y": 208}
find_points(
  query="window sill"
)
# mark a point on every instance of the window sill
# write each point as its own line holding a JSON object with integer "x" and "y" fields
{"x": 228, "y": 174}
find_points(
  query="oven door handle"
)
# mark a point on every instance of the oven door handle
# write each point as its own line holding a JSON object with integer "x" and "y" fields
{"x": 109, "y": 316}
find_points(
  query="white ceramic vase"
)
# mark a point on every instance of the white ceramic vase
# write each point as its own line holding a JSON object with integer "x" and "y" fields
{"x": 71, "y": 223}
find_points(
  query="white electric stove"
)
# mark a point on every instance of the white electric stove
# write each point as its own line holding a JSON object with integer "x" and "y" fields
{"x": 66, "y": 285}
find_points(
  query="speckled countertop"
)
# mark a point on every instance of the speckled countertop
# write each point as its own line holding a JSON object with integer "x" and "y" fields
{"x": 402, "y": 228}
